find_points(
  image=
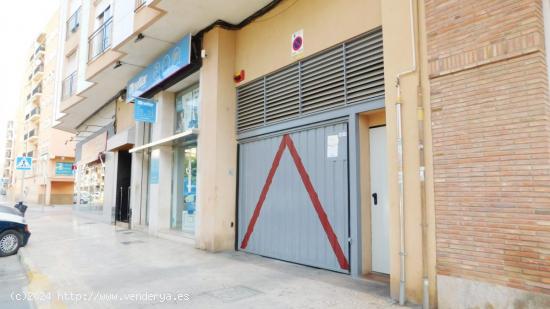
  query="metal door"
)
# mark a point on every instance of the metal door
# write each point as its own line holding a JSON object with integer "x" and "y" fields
{"x": 293, "y": 197}
{"x": 380, "y": 212}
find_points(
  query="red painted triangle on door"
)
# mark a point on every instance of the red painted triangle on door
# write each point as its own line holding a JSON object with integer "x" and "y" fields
{"x": 287, "y": 142}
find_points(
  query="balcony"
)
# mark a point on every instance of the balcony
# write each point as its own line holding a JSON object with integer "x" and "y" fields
{"x": 140, "y": 4}
{"x": 36, "y": 94}
{"x": 100, "y": 41}
{"x": 72, "y": 33}
{"x": 39, "y": 51}
{"x": 33, "y": 115}
{"x": 32, "y": 136}
{"x": 38, "y": 72}
{"x": 69, "y": 86}
{"x": 73, "y": 24}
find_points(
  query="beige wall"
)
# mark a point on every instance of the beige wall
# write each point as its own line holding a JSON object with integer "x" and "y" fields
{"x": 398, "y": 58}
{"x": 124, "y": 116}
{"x": 217, "y": 146}
{"x": 265, "y": 44}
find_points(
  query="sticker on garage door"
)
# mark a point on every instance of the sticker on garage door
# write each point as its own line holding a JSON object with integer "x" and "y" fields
{"x": 332, "y": 146}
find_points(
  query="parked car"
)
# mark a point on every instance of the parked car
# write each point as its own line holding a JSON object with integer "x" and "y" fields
{"x": 14, "y": 231}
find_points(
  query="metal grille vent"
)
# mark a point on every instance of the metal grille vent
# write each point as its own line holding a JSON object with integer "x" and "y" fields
{"x": 364, "y": 68}
{"x": 323, "y": 81}
{"x": 250, "y": 106}
{"x": 282, "y": 94}
{"x": 349, "y": 73}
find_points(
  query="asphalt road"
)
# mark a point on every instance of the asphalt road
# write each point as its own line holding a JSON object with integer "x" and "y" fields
{"x": 13, "y": 283}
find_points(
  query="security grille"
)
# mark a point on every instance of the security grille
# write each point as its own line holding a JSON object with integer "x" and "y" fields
{"x": 349, "y": 73}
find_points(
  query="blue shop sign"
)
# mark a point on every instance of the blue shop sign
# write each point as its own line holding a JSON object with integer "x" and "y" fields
{"x": 154, "y": 171}
{"x": 163, "y": 67}
{"x": 145, "y": 110}
{"x": 64, "y": 169}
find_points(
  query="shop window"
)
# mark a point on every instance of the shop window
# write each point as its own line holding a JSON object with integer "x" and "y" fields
{"x": 90, "y": 185}
{"x": 184, "y": 188}
{"x": 187, "y": 109}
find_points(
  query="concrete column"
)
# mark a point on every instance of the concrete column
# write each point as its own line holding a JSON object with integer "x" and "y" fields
{"x": 109, "y": 197}
{"x": 217, "y": 147}
{"x": 160, "y": 193}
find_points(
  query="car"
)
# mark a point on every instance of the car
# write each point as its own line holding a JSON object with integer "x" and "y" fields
{"x": 14, "y": 231}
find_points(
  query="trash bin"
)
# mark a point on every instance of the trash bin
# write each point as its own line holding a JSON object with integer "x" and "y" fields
{"x": 21, "y": 207}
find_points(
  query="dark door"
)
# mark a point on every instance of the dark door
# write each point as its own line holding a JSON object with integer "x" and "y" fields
{"x": 124, "y": 175}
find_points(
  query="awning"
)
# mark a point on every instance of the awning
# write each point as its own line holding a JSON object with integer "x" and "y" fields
{"x": 167, "y": 141}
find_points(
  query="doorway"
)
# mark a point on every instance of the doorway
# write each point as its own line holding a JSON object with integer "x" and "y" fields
{"x": 124, "y": 176}
{"x": 379, "y": 208}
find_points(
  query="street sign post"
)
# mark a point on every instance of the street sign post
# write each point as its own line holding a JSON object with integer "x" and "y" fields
{"x": 23, "y": 163}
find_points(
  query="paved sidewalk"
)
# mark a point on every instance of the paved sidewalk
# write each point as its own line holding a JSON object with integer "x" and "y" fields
{"x": 13, "y": 283}
{"x": 71, "y": 257}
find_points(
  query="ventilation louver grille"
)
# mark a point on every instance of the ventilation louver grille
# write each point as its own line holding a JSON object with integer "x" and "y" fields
{"x": 282, "y": 94}
{"x": 349, "y": 73}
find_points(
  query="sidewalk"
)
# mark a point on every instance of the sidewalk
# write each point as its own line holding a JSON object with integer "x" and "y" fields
{"x": 71, "y": 257}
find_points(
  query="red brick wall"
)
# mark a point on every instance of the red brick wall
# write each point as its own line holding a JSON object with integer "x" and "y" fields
{"x": 491, "y": 141}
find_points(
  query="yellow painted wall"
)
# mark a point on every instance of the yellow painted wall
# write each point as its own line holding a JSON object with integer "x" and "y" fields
{"x": 265, "y": 44}
{"x": 217, "y": 144}
{"x": 124, "y": 116}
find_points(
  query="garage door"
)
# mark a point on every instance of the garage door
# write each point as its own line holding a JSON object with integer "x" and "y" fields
{"x": 293, "y": 197}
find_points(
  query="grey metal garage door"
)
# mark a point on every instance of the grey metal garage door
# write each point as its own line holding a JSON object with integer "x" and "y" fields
{"x": 293, "y": 197}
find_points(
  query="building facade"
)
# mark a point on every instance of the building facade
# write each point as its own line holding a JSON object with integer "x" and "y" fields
{"x": 393, "y": 139}
{"x": 7, "y": 173}
{"x": 52, "y": 151}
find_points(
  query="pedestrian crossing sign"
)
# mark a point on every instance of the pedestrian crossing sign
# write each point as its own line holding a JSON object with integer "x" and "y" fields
{"x": 23, "y": 163}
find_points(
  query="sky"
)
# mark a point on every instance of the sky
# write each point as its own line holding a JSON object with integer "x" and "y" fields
{"x": 20, "y": 22}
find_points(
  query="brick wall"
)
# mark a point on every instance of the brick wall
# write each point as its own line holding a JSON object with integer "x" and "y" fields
{"x": 491, "y": 141}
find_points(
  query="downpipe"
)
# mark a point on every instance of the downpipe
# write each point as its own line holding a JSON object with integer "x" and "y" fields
{"x": 399, "y": 144}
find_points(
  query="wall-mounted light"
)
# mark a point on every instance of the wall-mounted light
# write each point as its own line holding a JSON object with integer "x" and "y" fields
{"x": 139, "y": 37}
{"x": 118, "y": 64}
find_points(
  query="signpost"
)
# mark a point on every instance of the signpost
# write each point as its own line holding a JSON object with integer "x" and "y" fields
{"x": 23, "y": 163}
{"x": 145, "y": 110}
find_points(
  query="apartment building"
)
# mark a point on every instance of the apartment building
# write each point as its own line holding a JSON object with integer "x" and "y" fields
{"x": 403, "y": 140}
{"x": 7, "y": 173}
{"x": 51, "y": 150}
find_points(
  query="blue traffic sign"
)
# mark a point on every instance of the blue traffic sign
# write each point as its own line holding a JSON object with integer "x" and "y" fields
{"x": 145, "y": 110}
{"x": 23, "y": 163}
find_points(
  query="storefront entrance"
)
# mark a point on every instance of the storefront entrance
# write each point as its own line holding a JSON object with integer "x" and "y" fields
{"x": 184, "y": 187}
{"x": 124, "y": 176}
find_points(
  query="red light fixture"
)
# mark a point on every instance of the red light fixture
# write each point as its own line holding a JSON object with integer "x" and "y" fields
{"x": 239, "y": 77}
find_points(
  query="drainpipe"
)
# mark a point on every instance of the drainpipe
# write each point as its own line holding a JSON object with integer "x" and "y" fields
{"x": 399, "y": 142}
{"x": 423, "y": 205}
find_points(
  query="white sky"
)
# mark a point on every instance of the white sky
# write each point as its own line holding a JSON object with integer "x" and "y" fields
{"x": 20, "y": 22}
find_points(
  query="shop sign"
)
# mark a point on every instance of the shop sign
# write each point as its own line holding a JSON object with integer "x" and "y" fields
{"x": 64, "y": 169}
{"x": 176, "y": 58}
{"x": 297, "y": 42}
{"x": 93, "y": 148}
{"x": 23, "y": 163}
{"x": 145, "y": 110}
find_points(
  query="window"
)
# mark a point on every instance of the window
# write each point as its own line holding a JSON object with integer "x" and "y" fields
{"x": 184, "y": 187}
{"x": 187, "y": 109}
